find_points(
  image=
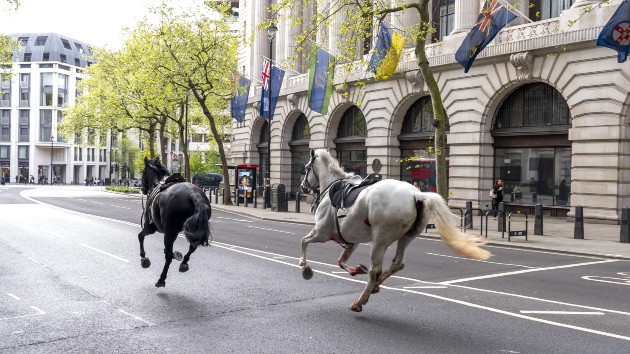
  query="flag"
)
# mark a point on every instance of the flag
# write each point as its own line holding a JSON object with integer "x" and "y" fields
{"x": 492, "y": 18}
{"x": 238, "y": 104}
{"x": 389, "y": 46}
{"x": 274, "y": 75}
{"x": 320, "y": 79}
{"x": 616, "y": 34}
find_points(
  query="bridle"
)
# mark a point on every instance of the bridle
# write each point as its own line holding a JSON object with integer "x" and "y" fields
{"x": 309, "y": 167}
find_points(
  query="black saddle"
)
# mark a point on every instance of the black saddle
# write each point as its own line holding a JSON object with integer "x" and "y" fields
{"x": 344, "y": 193}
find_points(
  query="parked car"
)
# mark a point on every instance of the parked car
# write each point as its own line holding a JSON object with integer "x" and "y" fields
{"x": 210, "y": 180}
{"x": 137, "y": 183}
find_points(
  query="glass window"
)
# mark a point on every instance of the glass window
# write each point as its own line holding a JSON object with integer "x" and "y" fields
{"x": 46, "y": 57}
{"x": 447, "y": 18}
{"x": 546, "y": 9}
{"x": 418, "y": 166}
{"x": 47, "y": 89}
{"x": 62, "y": 89}
{"x": 23, "y": 40}
{"x": 301, "y": 129}
{"x": 5, "y": 125}
{"x": 533, "y": 105}
{"x": 352, "y": 123}
{"x": 45, "y": 124}
{"x": 41, "y": 40}
{"x": 23, "y": 152}
{"x": 5, "y": 151}
{"x": 419, "y": 117}
{"x": 65, "y": 43}
{"x": 27, "y": 57}
{"x": 535, "y": 175}
{"x": 353, "y": 161}
{"x": 24, "y": 125}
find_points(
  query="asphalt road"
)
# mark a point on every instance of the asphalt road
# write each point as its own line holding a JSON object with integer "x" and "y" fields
{"x": 70, "y": 280}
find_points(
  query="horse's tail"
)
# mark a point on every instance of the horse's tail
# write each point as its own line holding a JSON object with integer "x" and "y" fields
{"x": 197, "y": 227}
{"x": 461, "y": 243}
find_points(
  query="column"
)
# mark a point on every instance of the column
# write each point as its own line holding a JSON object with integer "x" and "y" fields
{"x": 466, "y": 13}
{"x": 403, "y": 21}
{"x": 296, "y": 12}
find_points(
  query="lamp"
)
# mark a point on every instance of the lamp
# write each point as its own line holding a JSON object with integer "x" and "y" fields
{"x": 271, "y": 33}
{"x": 52, "y": 145}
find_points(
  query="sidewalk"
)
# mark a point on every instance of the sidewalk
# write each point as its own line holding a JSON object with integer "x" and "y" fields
{"x": 558, "y": 235}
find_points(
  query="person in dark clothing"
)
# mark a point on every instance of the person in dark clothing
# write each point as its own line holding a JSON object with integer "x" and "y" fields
{"x": 497, "y": 192}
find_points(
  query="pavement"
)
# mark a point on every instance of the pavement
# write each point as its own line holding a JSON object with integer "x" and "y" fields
{"x": 601, "y": 240}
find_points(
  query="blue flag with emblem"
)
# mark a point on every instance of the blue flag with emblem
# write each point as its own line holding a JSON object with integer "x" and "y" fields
{"x": 492, "y": 18}
{"x": 272, "y": 76}
{"x": 616, "y": 34}
{"x": 238, "y": 104}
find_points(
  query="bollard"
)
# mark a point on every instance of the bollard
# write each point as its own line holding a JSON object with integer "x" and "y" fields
{"x": 223, "y": 195}
{"x": 245, "y": 198}
{"x": 624, "y": 236}
{"x": 297, "y": 202}
{"x": 255, "y": 194}
{"x": 468, "y": 220}
{"x": 579, "y": 223}
{"x": 535, "y": 198}
{"x": 236, "y": 196}
{"x": 216, "y": 196}
{"x": 501, "y": 223}
{"x": 538, "y": 220}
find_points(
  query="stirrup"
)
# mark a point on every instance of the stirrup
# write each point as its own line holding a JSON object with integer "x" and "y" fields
{"x": 341, "y": 213}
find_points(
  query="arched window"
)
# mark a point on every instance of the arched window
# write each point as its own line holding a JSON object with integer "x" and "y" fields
{"x": 533, "y": 105}
{"x": 419, "y": 117}
{"x": 532, "y": 148}
{"x": 300, "y": 152}
{"x": 350, "y": 141}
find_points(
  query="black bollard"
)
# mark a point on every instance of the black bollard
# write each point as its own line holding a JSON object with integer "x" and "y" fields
{"x": 501, "y": 223}
{"x": 579, "y": 223}
{"x": 624, "y": 236}
{"x": 223, "y": 195}
{"x": 538, "y": 220}
{"x": 297, "y": 202}
{"x": 216, "y": 196}
{"x": 236, "y": 196}
{"x": 255, "y": 194}
{"x": 245, "y": 198}
{"x": 535, "y": 198}
{"x": 468, "y": 220}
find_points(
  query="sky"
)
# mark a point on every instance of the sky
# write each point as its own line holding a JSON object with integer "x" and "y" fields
{"x": 96, "y": 22}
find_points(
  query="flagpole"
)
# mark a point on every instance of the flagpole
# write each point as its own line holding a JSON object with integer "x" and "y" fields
{"x": 287, "y": 69}
{"x": 516, "y": 11}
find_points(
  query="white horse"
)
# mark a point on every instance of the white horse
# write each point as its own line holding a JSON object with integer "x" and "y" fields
{"x": 383, "y": 213}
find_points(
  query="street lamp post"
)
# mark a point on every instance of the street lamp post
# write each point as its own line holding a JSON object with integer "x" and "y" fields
{"x": 271, "y": 33}
{"x": 111, "y": 143}
{"x": 52, "y": 145}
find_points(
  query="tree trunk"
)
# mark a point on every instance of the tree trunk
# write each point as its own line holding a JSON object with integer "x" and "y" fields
{"x": 163, "y": 148}
{"x": 438, "y": 108}
{"x": 152, "y": 140}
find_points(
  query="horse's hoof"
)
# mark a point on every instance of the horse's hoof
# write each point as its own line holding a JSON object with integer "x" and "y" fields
{"x": 160, "y": 284}
{"x": 177, "y": 255}
{"x": 307, "y": 273}
{"x": 362, "y": 269}
{"x": 145, "y": 263}
{"x": 183, "y": 268}
{"x": 356, "y": 307}
{"x": 376, "y": 289}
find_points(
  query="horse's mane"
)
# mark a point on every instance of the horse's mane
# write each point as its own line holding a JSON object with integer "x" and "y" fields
{"x": 332, "y": 163}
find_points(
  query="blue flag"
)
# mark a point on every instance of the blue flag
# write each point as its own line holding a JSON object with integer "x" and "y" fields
{"x": 320, "y": 79}
{"x": 275, "y": 77}
{"x": 492, "y": 18}
{"x": 389, "y": 46}
{"x": 616, "y": 34}
{"x": 238, "y": 104}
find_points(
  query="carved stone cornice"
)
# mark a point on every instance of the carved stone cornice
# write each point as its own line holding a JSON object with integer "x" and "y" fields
{"x": 523, "y": 62}
{"x": 342, "y": 89}
{"x": 293, "y": 99}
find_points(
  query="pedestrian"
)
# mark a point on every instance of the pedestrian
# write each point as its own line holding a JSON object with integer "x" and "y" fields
{"x": 497, "y": 196}
{"x": 2, "y": 181}
{"x": 518, "y": 193}
{"x": 17, "y": 179}
{"x": 32, "y": 180}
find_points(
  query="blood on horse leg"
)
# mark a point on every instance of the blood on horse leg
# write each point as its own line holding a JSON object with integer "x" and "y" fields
{"x": 347, "y": 252}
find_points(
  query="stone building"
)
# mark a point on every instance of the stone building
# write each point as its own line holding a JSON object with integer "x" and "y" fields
{"x": 542, "y": 107}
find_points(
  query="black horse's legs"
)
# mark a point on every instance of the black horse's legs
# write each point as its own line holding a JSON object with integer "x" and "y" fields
{"x": 169, "y": 240}
{"x": 146, "y": 230}
{"x": 184, "y": 266}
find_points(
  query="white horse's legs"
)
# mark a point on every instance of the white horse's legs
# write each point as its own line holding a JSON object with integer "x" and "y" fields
{"x": 378, "y": 252}
{"x": 347, "y": 252}
{"x": 397, "y": 262}
{"x": 307, "y": 272}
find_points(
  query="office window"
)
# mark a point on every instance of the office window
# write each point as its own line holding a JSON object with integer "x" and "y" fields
{"x": 47, "y": 89}
{"x": 46, "y": 57}
{"x": 23, "y": 152}
{"x": 41, "y": 40}
{"x": 447, "y": 18}
{"x": 45, "y": 124}
{"x": 77, "y": 62}
{"x": 546, "y": 9}
{"x": 5, "y": 151}
{"x": 62, "y": 58}
{"x": 62, "y": 90}
{"x": 5, "y": 125}
{"x": 24, "y": 124}
{"x": 79, "y": 47}
{"x": 27, "y": 57}
{"x": 23, "y": 41}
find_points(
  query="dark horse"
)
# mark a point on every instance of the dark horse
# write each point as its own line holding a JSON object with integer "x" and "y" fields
{"x": 173, "y": 205}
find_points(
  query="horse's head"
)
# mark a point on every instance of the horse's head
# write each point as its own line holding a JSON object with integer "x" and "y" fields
{"x": 310, "y": 181}
{"x": 152, "y": 174}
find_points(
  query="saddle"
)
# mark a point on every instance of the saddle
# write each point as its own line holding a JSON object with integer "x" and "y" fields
{"x": 164, "y": 184}
{"x": 344, "y": 193}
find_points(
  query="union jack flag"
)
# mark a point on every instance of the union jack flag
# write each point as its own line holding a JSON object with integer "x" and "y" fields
{"x": 265, "y": 74}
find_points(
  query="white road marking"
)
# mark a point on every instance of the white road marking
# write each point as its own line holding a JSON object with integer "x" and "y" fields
{"x": 562, "y": 312}
{"x": 13, "y": 296}
{"x": 57, "y": 235}
{"x": 136, "y": 317}
{"x": 618, "y": 281}
{"x": 524, "y": 271}
{"x": 103, "y": 252}
{"x": 90, "y": 201}
{"x": 120, "y": 207}
{"x": 262, "y": 228}
{"x": 239, "y": 220}
{"x": 475, "y": 260}
{"x": 34, "y": 261}
{"x": 426, "y": 287}
{"x": 39, "y": 313}
{"x": 464, "y": 303}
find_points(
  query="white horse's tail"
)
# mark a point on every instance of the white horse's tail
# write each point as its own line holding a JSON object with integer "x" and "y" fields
{"x": 463, "y": 244}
